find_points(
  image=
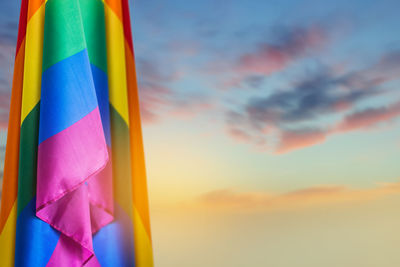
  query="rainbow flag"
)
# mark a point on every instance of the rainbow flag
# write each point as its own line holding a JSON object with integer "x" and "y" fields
{"x": 74, "y": 189}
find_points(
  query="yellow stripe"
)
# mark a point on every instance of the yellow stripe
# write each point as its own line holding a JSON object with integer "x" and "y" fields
{"x": 33, "y": 62}
{"x": 7, "y": 239}
{"x": 116, "y": 64}
{"x": 143, "y": 246}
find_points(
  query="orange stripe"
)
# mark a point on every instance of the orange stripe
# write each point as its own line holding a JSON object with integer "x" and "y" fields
{"x": 121, "y": 10}
{"x": 11, "y": 162}
{"x": 139, "y": 183}
{"x": 34, "y": 6}
{"x": 10, "y": 182}
{"x": 115, "y": 6}
{"x": 139, "y": 178}
{"x": 141, "y": 219}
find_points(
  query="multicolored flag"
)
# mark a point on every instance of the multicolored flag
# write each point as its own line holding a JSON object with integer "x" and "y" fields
{"x": 74, "y": 190}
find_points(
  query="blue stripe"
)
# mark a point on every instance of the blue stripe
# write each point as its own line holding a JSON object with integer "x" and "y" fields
{"x": 35, "y": 239}
{"x": 68, "y": 94}
{"x": 101, "y": 85}
{"x": 113, "y": 244}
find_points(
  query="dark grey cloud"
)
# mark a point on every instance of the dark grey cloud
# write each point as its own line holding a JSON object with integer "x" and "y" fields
{"x": 254, "y": 81}
{"x": 306, "y": 101}
{"x": 9, "y": 17}
{"x": 309, "y": 99}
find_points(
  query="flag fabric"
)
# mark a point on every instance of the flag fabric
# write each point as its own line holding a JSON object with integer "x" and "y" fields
{"x": 74, "y": 189}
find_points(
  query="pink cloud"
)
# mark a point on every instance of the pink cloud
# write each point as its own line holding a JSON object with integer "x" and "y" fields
{"x": 149, "y": 71}
{"x": 362, "y": 120}
{"x": 269, "y": 58}
{"x": 367, "y": 118}
{"x": 160, "y": 102}
{"x": 292, "y": 140}
{"x": 6, "y": 58}
{"x": 185, "y": 48}
{"x": 342, "y": 106}
{"x": 4, "y": 107}
{"x": 189, "y": 109}
{"x": 286, "y": 46}
{"x": 228, "y": 199}
{"x": 239, "y": 135}
{"x": 159, "y": 99}
{"x": 152, "y": 97}
{"x": 231, "y": 198}
{"x": 264, "y": 61}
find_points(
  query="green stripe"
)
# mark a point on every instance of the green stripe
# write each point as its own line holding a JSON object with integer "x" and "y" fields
{"x": 63, "y": 31}
{"x": 94, "y": 26}
{"x": 28, "y": 158}
{"x": 121, "y": 161}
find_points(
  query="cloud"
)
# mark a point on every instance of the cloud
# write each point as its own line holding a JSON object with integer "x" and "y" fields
{"x": 228, "y": 199}
{"x": 190, "y": 105}
{"x": 184, "y": 47}
{"x": 8, "y": 39}
{"x": 290, "y": 45}
{"x": 4, "y": 109}
{"x": 160, "y": 100}
{"x": 6, "y": 63}
{"x": 9, "y": 22}
{"x": 280, "y": 48}
{"x": 239, "y": 135}
{"x": 8, "y": 33}
{"x": 368, "y": 118}
{"x": 152, "y": 98}
{"x": 309, "y": 98}
{"x": 295, "y": 113}
{"x": 292, "y": 140}
{"x": 150, "y": 71}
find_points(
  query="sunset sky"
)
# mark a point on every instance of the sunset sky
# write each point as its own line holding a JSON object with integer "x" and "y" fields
{"x": 271, "y": 129}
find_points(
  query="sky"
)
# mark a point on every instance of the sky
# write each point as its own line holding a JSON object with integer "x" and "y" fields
{"x": 271, "y": 129}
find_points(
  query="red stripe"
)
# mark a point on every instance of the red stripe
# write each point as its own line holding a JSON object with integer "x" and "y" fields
{"x": 126, "y": 20}
{"x": 22, "y": 24}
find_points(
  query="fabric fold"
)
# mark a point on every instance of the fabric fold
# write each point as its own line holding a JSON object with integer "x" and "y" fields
{"x": 74, "y": 168}
{"x": 74, "y": 178}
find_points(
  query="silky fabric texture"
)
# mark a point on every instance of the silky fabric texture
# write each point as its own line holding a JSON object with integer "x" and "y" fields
{"x": 74, "y": 169}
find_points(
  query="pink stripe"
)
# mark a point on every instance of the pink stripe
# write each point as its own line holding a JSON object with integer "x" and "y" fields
{"x": 66, "y": 198}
